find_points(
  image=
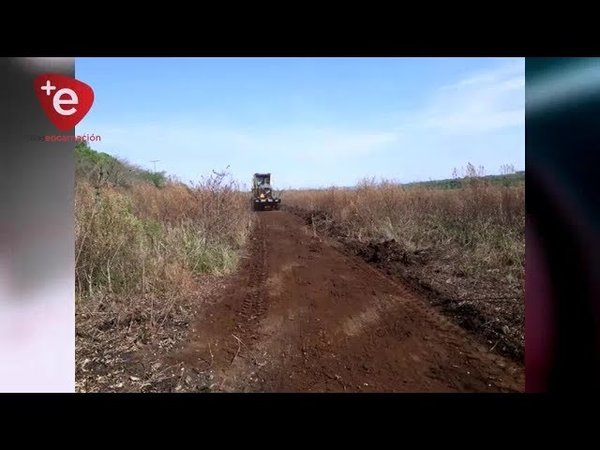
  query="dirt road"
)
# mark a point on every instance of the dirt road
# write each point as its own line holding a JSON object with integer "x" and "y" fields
{"x": 302, "y": 316}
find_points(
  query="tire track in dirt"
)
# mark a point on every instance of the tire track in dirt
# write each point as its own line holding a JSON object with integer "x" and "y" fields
{"x": 300, "y": 316}
{"x": 253, "y": 306}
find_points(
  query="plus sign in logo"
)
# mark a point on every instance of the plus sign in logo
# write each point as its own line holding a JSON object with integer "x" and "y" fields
{"x": 64, "y": 99}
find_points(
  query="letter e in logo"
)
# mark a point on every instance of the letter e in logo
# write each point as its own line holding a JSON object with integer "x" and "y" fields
{"x": 64, "y": 99}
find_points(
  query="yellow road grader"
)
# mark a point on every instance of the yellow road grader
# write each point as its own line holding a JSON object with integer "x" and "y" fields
{"x": 263, "y": 197}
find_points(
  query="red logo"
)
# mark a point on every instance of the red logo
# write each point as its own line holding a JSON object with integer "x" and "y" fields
{"x": 64, "y": 99}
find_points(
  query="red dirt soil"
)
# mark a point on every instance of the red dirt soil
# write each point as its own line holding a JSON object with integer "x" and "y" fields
{"x": 300, "y": 316}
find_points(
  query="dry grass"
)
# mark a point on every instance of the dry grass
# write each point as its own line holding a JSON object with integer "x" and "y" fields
{"x": 485, "y": 223}
{"x": 150, "y": 240}
{"x": 139, "y": 253}
{"x": 467, "y": 244}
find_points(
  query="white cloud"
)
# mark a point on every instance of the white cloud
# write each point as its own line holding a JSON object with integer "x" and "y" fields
{"x": 511, "y": 69}
{"x": 481, "y": 102}
{"x": 304, "y": 143}
{"x": 315, "y": 144}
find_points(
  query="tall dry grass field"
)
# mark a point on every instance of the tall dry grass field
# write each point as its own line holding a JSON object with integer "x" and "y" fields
{"x": 473, "y": 239}
{"x": 145, "y": 239}
{"x": 483, "y": 225}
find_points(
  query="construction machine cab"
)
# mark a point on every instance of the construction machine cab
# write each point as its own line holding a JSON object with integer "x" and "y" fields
{"x": 262, "y": 193}
{"x": 262, "y": 179}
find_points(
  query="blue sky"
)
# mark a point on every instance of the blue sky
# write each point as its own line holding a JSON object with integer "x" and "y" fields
{"x": 312, "y": 122}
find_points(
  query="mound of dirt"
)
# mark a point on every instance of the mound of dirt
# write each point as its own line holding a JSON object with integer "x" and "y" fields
{"x": 388, "y": 252}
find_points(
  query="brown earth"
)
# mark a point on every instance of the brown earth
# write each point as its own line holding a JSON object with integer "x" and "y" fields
{"x": 488, "y": 303}
{"x": 302, "y": 316}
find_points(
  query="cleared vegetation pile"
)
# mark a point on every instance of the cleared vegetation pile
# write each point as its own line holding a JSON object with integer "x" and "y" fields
{"x": 142, "y": 241}
{"x": 462, "y": 241}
